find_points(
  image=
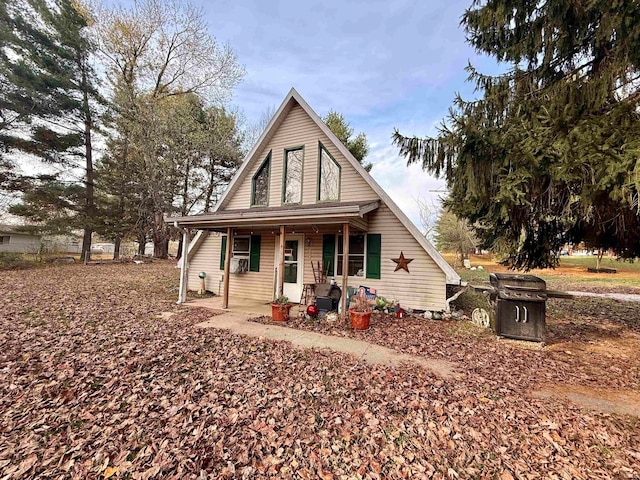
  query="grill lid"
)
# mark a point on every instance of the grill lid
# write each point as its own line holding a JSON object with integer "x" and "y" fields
{"x": 516, "y": 281}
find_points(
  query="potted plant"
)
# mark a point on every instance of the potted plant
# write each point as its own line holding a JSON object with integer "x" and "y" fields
{"x": 359, "y": 313}
{"x": 280, "y": 309}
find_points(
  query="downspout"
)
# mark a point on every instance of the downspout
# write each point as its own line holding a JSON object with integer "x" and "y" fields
{"x": 184, "y": 267}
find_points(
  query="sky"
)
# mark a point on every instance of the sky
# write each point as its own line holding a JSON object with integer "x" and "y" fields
{"x": 382, "y": 64}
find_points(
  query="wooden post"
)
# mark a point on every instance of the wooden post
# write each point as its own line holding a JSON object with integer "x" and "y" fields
{"x": 227, "y": 263}
{"x": 345, "y": 267}
{"x": 281, "y": 262}
{"x": 184, "y": 270}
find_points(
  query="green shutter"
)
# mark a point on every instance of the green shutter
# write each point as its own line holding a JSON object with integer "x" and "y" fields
{"x": 374, "y": 255}
{"x": 223, "y": 252}
{"x": 328, "y": 253}
{"x": 254, "y": 254}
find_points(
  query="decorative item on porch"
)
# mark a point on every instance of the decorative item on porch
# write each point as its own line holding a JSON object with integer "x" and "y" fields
{"x": 359, "y": 312}
{"x": 280, "y": 309}
{"x": 312, "y": 310}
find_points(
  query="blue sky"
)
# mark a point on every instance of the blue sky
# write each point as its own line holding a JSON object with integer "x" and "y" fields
{"x": 382, "y": 64}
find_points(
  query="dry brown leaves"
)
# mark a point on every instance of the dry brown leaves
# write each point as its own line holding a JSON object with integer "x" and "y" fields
{"x": 95, "y": 385}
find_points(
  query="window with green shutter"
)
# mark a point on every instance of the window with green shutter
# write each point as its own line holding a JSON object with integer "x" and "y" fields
{"x": 223, "y": 252}
{"x": 254, "y": 255}
{"x": 374, "y": 255}
{"x": 328, "y": 253}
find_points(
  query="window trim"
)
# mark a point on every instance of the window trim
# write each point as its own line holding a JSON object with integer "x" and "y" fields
{"x": 321, "y": 147}
{"x": 284, "y": 174}
{"x": 2, "y": 237}
{"x": 253, "y": 182}
{"x": 233, "y": 251}
{"x": 364, "y": 256}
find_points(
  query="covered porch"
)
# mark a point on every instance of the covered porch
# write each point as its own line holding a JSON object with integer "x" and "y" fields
{"x": 290, "y": 241}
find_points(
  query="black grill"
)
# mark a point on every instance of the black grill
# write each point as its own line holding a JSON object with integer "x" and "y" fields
{"x": 520, "y": 303}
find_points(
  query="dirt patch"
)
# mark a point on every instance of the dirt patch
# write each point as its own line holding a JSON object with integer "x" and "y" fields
{"x": 622, "y": 402}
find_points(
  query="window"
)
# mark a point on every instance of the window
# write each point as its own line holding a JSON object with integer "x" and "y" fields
{"x": 328, "y": 177}
{"x": 260, "y": 184}
{"x": 241, "y": 246}
{"x": 356, "y": 256}
{"x": 292, "y": 191}
{"x": 4, "y": 239}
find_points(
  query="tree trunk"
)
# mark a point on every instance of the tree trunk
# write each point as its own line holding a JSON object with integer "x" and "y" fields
{"x": 142, "y": 242}
{"x": 207, "y": 200}
{"x": 116, "y": 247}
{"x": 179, "y": 254}
{"x": 159, "y": 236}
{"x": 89, "y": 207}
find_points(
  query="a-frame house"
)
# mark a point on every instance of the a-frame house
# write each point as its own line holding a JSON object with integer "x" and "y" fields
{"x": 300, "y": 198}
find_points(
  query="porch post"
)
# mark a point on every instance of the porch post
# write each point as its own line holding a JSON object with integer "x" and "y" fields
{"x": 345, "y": 267}
{"x": 184, "y": 268}
{"x": 227, "y": 263}
{"x": 281, "y": 262}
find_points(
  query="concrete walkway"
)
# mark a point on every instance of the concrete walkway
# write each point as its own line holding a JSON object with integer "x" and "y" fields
{"x": 238, "y": 322}
{"x": 623, "y": 297}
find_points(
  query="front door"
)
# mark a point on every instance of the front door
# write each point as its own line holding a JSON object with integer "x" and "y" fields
{"x": 293, "y": 265}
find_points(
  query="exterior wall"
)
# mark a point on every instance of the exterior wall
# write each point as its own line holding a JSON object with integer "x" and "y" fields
{"x": 424, "y": 287}
{"x": 20, "y": 243}
{"x": 253, "y": 285}
{"x": 299, "y": 129}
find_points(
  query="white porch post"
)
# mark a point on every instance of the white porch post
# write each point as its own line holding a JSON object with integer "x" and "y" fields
{"x": 227, "y": 263}
{"x": 345, "y": 267}
{"x": 184, "y": 267}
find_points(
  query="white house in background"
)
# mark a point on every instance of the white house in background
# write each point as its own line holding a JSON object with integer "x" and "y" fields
{"x": 13, "y": 240}
{"x": 301, "y": 199}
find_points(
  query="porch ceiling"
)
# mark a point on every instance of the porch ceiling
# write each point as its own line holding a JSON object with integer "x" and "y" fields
{"x": 316, "y": 214}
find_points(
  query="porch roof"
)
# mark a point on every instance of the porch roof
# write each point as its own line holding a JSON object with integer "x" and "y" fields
{"x": 314, "y": 214}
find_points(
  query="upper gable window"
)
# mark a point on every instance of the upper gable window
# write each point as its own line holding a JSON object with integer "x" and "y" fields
{"x": 329, "y": 177}
{"x": 292, "y": 191}
{"x": 260, "y": 184}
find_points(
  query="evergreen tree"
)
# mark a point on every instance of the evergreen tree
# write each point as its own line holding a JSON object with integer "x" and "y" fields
{"x": 550, "y": 152}
{"x": 50, "y": 96}
{"x": 358, "y": 145}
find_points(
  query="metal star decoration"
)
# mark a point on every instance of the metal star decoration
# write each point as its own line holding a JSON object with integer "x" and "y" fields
{"x": 402, "y": 263}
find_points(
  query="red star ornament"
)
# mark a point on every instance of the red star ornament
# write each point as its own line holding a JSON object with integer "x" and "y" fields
{"x": 402, "y": 263}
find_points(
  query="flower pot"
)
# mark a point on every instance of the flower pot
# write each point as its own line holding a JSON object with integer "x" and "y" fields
{"x": 280, "y": 311}
{"x": 359, "y": 320}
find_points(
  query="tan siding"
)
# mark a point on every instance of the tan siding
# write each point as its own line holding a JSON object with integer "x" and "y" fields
{"x": 299, "y": 129}
{"x": 253, "y": 285}
{"x": 424, "y": 287}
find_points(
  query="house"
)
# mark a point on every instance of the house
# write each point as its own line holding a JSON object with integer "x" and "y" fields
{"x": 301, "y": 199}
{"x": 16, "y": 241}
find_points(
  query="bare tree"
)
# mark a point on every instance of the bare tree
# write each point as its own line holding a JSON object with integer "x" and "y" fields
{"x": 430, "y": 211}
{"x": 254, "y": 130}
{"x": 155, "y": 50}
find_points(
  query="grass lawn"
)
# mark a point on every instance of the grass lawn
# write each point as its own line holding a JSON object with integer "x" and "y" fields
{"x": 95, "y": 383}
{"x": 571, "y": 274}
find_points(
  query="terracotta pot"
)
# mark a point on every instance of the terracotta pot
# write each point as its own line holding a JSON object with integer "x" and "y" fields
{"x": 280, "y": 312}
{"x": 360, "y": 320}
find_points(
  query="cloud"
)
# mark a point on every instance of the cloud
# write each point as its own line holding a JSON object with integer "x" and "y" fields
{"x": 404, "y": 184}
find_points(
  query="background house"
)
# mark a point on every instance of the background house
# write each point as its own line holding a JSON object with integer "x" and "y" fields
{"x": 13, "y": 240}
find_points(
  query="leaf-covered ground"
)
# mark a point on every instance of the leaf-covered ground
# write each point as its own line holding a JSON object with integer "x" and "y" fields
{"x": 94, "y": 384}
